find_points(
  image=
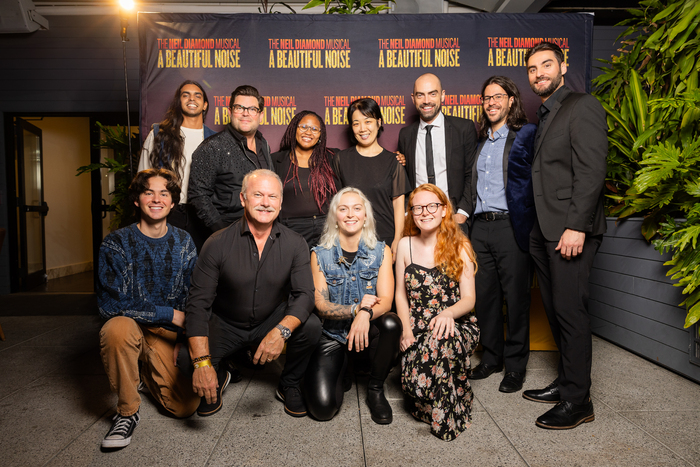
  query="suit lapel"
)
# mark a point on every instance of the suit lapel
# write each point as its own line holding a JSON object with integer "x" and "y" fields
{"x": 550, "y": 118}
{"x": 506, "y": 152}
{"x": 449, "y": 138}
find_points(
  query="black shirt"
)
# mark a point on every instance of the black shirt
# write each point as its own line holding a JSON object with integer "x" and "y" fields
{"x": 543, "y": 112}
{"x": 259, "y": 157}
{"x": 381, "y": 178}
{"x": 243, "y": 290}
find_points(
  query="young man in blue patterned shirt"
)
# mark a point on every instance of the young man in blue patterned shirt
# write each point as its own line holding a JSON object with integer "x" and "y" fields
{"x": 144, "y": 278}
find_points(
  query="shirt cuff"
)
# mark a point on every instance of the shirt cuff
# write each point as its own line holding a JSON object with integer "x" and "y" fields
{"x": 164, "y": 314}
{"x": 463, "y": 212}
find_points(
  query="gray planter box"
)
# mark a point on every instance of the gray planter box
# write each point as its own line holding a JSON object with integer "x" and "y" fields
{"x": 635, "y": 305}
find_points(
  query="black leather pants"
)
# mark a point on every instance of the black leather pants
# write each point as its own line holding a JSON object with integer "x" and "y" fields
{"x": 323, "y": 383}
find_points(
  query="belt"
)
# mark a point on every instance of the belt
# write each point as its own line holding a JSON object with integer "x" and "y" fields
{"x": 493, "y": 216}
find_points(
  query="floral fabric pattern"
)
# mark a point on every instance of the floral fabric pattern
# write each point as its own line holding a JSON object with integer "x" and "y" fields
{"x": 434, "y": 372}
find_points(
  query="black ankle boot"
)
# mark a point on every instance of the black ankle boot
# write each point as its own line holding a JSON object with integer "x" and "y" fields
{"x": 378, "y": 405}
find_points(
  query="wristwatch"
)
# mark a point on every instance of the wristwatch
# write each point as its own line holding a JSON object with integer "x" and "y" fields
{"x": 286, "y": 333}
{"x": 368, "y": 310}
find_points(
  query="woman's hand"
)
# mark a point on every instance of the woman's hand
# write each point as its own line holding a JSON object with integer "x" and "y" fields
{"x": 443, "y": 324}
{"x": 407, "y": 340}
{"x": 359, "y": 329}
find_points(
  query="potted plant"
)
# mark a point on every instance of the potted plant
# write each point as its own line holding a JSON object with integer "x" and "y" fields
{"x": 651, "y": 97}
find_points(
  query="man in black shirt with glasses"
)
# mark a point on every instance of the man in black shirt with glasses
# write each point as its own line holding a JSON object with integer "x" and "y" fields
{"x": 220, "y": 163}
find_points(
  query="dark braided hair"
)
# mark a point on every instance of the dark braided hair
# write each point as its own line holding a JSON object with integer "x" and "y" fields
{"x": 168, "y": 142}
{"x": 321, "y": 183}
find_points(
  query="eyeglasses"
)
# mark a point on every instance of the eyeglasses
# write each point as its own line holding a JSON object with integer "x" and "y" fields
{"x": 432, "y": 208}
{"x": 495, "y": 98}
{"x": 313, "y": 129}
{"x": 239, "y": 109}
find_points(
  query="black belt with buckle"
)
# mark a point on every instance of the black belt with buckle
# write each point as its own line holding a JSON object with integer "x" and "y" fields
{"x": 493, "y": 216}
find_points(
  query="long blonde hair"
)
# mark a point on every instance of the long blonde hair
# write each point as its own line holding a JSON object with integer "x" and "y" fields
{"x": 450, "y": 238}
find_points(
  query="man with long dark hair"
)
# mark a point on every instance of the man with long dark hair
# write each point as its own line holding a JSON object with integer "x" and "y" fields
{"x": 502, "y": 214}
{"x": 170, "y": 145}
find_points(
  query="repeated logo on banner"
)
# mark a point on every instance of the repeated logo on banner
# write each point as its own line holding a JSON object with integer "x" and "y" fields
{"x": 324, "y": 62}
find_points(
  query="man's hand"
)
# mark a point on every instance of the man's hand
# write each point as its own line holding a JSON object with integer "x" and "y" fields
{"x": 401, "y": 158}
{"x": 571, "y": 243}
{"x": 460, "y": 218}
{"x": 204, "y": 383}
{"x": 270, "y": 348}
{"x": 178, "y": 318}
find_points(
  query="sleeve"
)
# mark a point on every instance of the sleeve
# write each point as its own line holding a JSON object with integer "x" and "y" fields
{"x": 118, "y": 295}
{"x": 470, "y": 145}
{"x": 145, "y": 161}
{"x": 201, "y": 186}
{"x": 205, "y": 280}
{"x": 589, "y": 150}
{"x": 189, "y": 262}
{"x": 400, "y": 185}
{"x": 301, "y": 297}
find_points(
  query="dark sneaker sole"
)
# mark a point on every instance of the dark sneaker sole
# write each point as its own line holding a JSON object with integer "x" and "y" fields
{"x": 207, "y": 411}
{"x": 280, "y": 397}
{"x": 583, "y": 420}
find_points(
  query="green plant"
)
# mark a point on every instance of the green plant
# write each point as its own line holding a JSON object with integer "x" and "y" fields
{"x": 115, "y": 138}
{"x": 348, "y": 7}
{"x": 651, "y": 96}
{"x": 265, "y": 9}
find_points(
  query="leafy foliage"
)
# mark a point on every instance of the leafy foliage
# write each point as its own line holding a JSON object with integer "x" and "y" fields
{"x": 651, "y": 96}
{"x": 348, "y": 7}
{"x": 115, "y": 138}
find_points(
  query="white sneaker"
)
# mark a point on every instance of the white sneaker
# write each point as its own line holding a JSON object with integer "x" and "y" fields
{"x": 119, "y": 435}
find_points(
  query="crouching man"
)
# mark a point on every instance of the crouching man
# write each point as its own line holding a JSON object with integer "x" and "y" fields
{"x": 252, "y": 286}
{"x": 144, "y": 279}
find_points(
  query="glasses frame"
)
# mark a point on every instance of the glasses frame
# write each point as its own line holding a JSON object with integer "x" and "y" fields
{"x": 309, "y": 128}
{"x": 496, "y": 98}
{"x": 252, "y": 111}
{"x": 425, "y": 207}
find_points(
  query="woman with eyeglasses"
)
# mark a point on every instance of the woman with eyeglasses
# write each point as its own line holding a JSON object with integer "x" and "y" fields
{"x": 354, "y": 287}
{"x": 375, "y": 171}
{"x": 436, "y": 262}
{"x": 309, "y": 172}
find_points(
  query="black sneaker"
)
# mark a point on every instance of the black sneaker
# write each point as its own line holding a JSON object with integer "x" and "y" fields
{"x": 205, "y": 409}
{"x": 293, "y": 401}
{"x": 119, "y": 435}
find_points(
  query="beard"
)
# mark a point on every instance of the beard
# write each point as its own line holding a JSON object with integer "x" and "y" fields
{"x": 426, "y": 117}
{"x": 549, "y": 89}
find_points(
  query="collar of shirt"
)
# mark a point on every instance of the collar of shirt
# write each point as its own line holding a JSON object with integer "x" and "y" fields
{"x": 242, "y": 138}
{"x": 439, "y": 122}
{"x": 500, "y": 133}
{"x": 245, "y": 229}
{"x": 547, "y": 105}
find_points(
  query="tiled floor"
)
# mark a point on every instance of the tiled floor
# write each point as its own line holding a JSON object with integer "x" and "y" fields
{"x": 55, "y": 407}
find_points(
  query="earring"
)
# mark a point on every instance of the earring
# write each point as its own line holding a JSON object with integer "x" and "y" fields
{"x": 336, "y": 226}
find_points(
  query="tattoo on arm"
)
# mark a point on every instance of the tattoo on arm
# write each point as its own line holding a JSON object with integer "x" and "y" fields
{"x": 330, "y": 310}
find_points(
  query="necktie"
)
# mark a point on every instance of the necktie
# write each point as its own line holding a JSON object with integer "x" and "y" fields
{"x": 429, "y": 165}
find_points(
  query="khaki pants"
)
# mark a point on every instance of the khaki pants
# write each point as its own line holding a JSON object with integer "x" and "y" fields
{"x": 123, "y": 342}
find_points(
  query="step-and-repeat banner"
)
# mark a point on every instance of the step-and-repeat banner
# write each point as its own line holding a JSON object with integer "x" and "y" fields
{"x": 324, "y": 62}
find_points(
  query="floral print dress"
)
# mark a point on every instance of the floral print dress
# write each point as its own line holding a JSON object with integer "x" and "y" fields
{"x": 434, "y": 372}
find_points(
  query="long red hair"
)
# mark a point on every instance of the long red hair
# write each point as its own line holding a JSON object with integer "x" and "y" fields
{"x": 450, "y": 238}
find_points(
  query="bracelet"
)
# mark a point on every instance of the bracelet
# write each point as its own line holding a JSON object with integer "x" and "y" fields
{"x": 368, "y": 310}
{"x": 202, "y": 363}
{"x": 353, "y": 310}
{"x": 202, "y": 358}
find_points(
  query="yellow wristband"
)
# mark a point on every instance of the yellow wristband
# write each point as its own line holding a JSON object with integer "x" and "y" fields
{"x": 202, "y": 363}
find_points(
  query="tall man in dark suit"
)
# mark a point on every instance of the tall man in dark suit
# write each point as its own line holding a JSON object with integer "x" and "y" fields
{"x": 439, "y": 148}
{"x": 568, "y": 175}
{"x": 502, "y": 213}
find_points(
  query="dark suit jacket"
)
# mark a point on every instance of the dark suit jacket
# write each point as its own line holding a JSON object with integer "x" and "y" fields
{"x": 568, "y": 171}
{"x": 517, "y": 178}
{"x": 460, "y": 141}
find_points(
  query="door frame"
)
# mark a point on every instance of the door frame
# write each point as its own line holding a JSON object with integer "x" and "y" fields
{"x": 106, "y": 118}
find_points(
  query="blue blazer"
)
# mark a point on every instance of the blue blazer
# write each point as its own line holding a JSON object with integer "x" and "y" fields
{"x": 517, "y": 177}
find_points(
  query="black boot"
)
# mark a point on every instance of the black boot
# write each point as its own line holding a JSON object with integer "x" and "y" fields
{"x": 383, "y": 351}
{"x": 378, "y": 405}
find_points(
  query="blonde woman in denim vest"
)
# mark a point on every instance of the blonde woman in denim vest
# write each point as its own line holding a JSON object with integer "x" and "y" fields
{"x": 354, "y": 284}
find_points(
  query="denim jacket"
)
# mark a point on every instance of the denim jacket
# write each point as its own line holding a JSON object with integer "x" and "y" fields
{"x": 347, "y": 284}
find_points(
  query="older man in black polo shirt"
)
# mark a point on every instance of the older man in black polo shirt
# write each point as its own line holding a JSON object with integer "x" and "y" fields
{"x": 252, "y": 286}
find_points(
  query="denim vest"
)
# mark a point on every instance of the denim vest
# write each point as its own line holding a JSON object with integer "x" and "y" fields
{"x": 347, "y": 284}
